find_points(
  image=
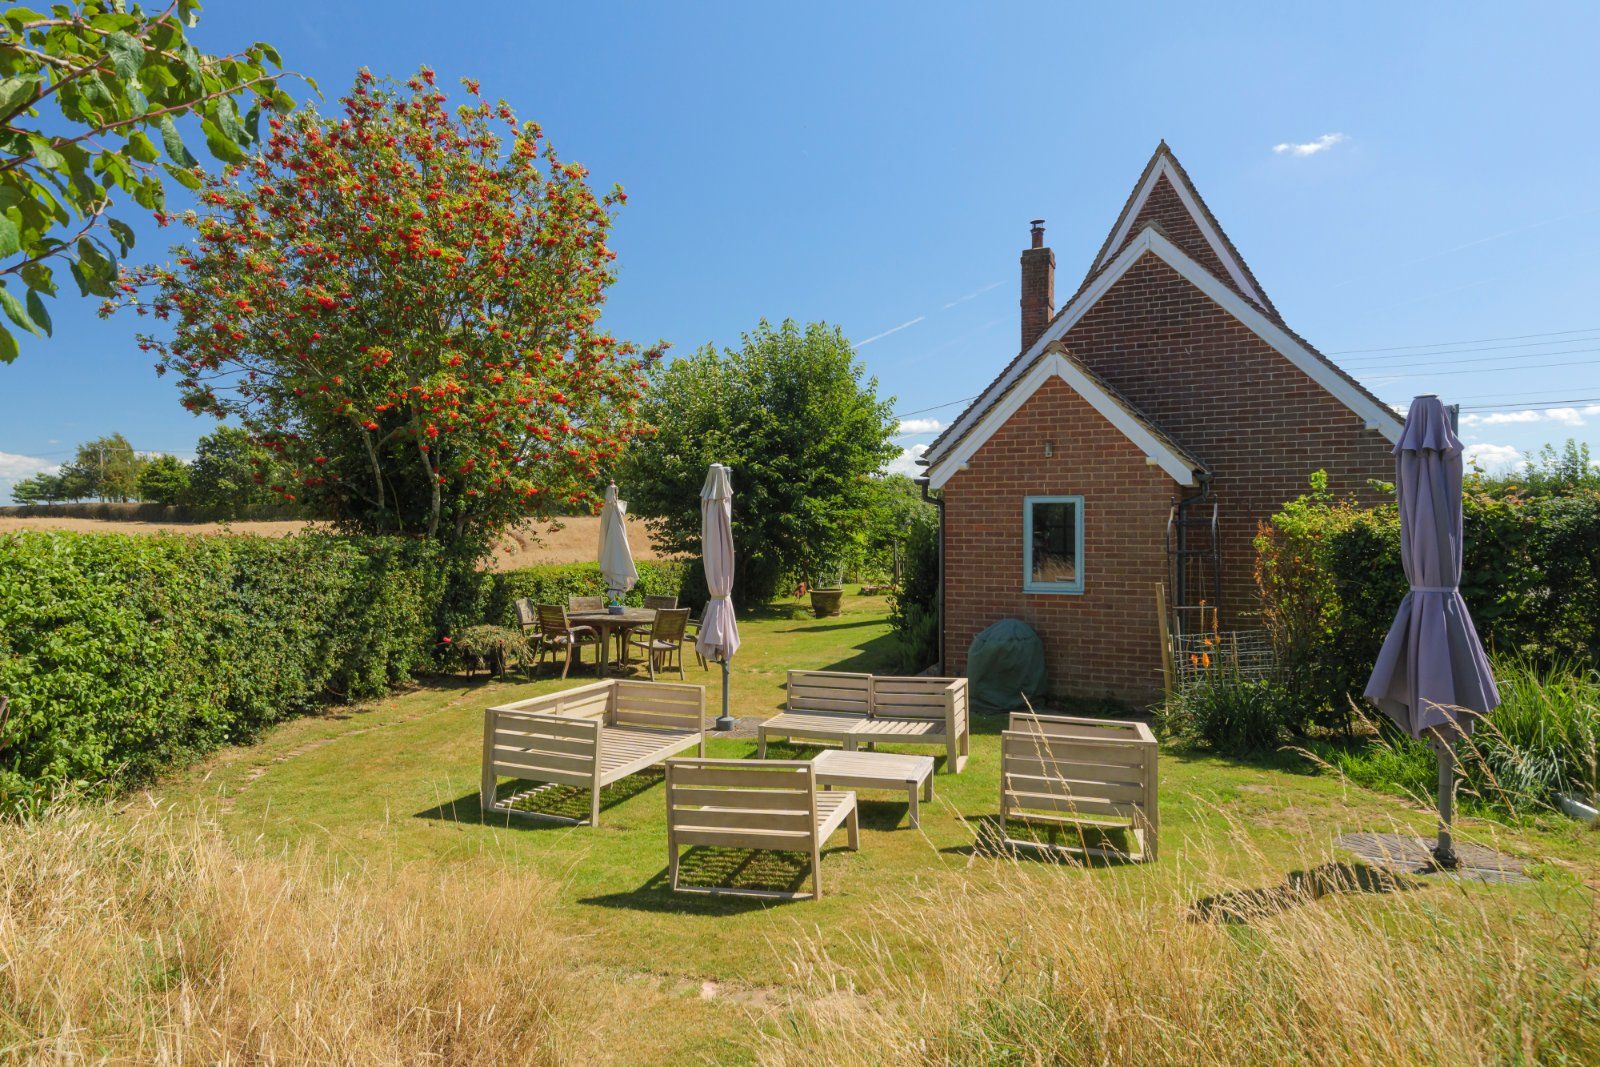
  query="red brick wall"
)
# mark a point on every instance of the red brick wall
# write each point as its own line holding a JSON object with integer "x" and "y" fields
{"x": 1103, "y": 641}
{"x": 1164, "y": 208}
{"x": 1255, "y": 419}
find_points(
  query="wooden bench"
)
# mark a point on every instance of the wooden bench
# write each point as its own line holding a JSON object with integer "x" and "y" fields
{"x": 587, "y": 737}
{"x": 853, "y": 709}
{"x": 772, "y": 806}
{"x": 1088, "y": 774}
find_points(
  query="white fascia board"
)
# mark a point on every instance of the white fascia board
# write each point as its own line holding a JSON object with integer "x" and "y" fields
{"x": 1186, "y": 196}
{"x": 1180, "y": 469}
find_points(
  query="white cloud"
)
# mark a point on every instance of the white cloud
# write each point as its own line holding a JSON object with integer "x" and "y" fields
{"x": 1565, "y": 416}
{"x": 1493, "y": 457}
{"x": 906, "y": 462}
{"x": 1310, "y": 148}
{"x": 909, "y": 427}
{"x": 14, "y": 468}
{"x": 886, "y": 333}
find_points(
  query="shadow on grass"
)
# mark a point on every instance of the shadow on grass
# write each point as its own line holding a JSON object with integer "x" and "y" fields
{"x": 564, "y": 801}
{"x": 989, "y": 842}
{"x": 873, "y": 657}
{"x": 1243, "y": 906}
{"x": 721, "y": 868}
{"x": 1288, "y": 760}
{"x": 830, "y": 627}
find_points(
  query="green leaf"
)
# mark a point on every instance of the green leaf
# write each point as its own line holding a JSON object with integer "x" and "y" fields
{"x": 16, "y": 312}
{"x": 140, "y": 147}
{"x": 174, "y": 144}
{"x": 45, "y": 155}
{"x": 184, "y": 176}
{"x": 127, "y": 55}
{"x": 10, "y": 237}
{"x": 222, "y": 146}
{"x": 14, "y": 92}
{"x": 122, "y": 232}
{"x": 8, "y": 346}
{"x": 40, "y": 277}
{"x": 37, "y": 312}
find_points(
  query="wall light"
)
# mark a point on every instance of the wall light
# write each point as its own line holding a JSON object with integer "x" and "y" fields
{"x": 1049, "y": 449}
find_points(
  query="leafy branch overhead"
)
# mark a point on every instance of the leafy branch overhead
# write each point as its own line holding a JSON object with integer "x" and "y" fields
{"x": 90, "y": 98}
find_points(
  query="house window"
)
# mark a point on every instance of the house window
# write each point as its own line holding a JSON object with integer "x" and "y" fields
{"x": 1052, "y": 544}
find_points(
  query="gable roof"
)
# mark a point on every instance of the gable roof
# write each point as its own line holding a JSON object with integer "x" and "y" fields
{"x": 1164, "y": 189}
{"x": 1055, "y": 361}
{"x": 958, "y": 438}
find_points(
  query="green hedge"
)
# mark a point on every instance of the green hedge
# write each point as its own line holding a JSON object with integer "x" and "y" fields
{"x": 1331, "y": 579}
{"x": 126, "y": 654}
{"x": 554, "y": 583}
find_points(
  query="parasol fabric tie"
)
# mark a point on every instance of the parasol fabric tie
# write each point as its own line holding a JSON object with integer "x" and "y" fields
{"x": 1435, "y": 588}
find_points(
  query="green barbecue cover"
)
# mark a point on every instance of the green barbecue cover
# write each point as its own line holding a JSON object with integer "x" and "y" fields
{"x": 1005, "y": 664}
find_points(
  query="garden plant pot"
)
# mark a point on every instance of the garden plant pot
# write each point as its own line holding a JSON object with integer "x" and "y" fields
{"x": 825, "y": 602}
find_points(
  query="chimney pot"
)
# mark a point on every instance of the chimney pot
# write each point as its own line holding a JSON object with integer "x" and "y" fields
{"x": 1037, "y": 231}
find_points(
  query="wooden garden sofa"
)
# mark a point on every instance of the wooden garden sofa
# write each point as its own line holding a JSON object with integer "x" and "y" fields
{"x": 853, "y": 709}
{"x": 588, "y": 737}
{"x": 772, "y": 805}
{"x": 1083, "y": 775}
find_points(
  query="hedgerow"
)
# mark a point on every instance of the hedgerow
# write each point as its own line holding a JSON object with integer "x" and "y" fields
{"x": 123, "y": 655}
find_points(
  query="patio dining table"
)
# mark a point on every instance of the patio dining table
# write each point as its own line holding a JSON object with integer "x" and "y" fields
{"x": 605, "y": 624}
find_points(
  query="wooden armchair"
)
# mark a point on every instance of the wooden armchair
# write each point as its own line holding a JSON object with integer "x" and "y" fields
{"x": 577, "y": 604}
{"x": 664, "y": 643}
{"x": 660, "y": 603}
{"x": 557, "y": 635}
{"x": 770, "y": 804}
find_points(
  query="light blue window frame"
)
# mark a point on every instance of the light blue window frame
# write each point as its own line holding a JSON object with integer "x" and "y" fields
{"x": 1028, "y": 584}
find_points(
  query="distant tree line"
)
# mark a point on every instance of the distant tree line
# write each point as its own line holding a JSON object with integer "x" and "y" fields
{"x": 228, "y": 477}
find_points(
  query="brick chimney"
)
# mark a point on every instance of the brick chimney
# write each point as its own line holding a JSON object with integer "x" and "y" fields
{"x": 1038, "y": 286}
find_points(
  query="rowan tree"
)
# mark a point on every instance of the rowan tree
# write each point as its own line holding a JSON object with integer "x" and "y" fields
{"x": 402, "y": 302}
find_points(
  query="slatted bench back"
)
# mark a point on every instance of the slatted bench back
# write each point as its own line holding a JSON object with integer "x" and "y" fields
{"x": 833, "y": 691}
{"x": 540, "y": 747}
{"x": 766, "y": 804}
{"x": 918, "y": 697}
{"x": 661, "y": 705}
{"x": 1079, "y": 767}
{"x": 592, "y": 701}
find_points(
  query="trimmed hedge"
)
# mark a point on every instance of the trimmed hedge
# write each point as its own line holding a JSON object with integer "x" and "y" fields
{"x": 554, "y": 583}
{"x": 1331, "y": 579}
{"x": 125, "y": 654}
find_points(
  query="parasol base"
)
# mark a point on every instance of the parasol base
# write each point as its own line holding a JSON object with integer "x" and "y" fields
{"x": 724, "y": 721}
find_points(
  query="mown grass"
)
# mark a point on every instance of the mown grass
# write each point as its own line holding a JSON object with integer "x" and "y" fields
{"x": 926, "y": 948}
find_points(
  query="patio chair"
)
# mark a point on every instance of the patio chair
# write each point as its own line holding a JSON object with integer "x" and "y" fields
{"x": 660, "y": 603}
{"x": 664, "y": 643}
{"x": 557, "y": 634}
{"x": 773, "y": 804}
{"x": 577, "y": 604}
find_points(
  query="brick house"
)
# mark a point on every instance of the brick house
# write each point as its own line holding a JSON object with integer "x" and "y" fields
{"x": 1141, "y": 434}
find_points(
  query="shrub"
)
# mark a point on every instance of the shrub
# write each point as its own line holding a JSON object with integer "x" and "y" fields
{"x": 122, "y": 654}
{"x": 554, "y": 583}
{"x": 1232, "y": 715}
{"x": 1330, "y": 579}
{"x": 914, "y": 606}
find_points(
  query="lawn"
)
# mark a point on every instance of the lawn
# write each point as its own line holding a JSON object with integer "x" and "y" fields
{"x": 391, "y": 787}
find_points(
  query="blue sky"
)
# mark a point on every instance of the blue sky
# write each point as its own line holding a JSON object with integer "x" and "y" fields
{"x": 875, "y": 165}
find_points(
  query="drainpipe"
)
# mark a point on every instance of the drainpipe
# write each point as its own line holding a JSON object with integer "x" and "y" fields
{"x": 938, "y": 600}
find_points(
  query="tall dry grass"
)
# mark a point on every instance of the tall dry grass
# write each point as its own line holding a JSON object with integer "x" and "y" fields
{"x": 1335, "y": 964}
{"x": 145, "y": 938}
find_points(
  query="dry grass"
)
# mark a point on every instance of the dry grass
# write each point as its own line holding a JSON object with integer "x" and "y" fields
{"x": 571, "y": 540}
{"x": 144, "y": 938}
{"x": 1337, "y": 964}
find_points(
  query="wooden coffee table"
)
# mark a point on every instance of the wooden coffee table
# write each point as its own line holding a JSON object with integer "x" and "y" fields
{"x": 877, "y": 770}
